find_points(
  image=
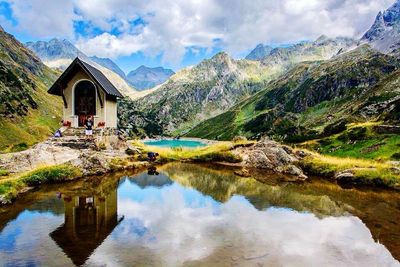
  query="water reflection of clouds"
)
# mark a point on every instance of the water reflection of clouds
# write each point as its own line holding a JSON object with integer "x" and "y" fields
{"x": 173, "y": 229}
{"x": 30, "y": 242}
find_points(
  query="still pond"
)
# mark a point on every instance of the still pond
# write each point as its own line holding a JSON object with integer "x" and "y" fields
{"x": 200, "y": 215}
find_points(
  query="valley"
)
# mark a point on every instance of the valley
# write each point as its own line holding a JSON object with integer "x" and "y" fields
{"x": 200, "y": 133}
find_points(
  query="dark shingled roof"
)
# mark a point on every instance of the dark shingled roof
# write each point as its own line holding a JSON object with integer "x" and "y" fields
{"x": 95, "y": 74}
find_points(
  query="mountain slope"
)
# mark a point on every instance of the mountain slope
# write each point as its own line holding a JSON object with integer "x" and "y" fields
{"x": 323, "y": 48}
{"x": 145, "y": 78}
{"x": 53, "y": 51}
{"x": 260, "y": 52}
{"x": 109, "y": 64}
{"x": 311, "y": 96}
{"x": 28, "y": 114}
{"x": 194, "y": 94}
{"x": 384, "y": 34}
{"x": 59, "y": 54}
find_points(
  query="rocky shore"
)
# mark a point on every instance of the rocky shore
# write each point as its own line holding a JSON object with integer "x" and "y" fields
{"x": 82, "y": 154}
{"x": 264, "y": 158}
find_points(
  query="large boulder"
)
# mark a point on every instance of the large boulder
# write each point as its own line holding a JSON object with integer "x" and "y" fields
{"x": 270, "y": 155}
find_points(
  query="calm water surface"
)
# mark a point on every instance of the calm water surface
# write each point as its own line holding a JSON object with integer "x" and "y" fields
{"x": 195, "y": 215}
{"x": 175, "y": 143}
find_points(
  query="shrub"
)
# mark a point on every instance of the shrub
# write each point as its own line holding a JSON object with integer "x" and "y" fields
{"x": 354, "y": 134}
{"x": 237, "y": 139}
{"x": 335, "y": 128}
{"x": 358, "y": 133}
{"x": 396, "y": 156}
{"x": 130, "y": 151}
{"x": 4, "y": 172}
{"x": 218, "y": 157}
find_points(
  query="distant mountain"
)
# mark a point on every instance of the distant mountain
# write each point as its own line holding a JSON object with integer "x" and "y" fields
{"x": 260, "y": 52}
{"x": 384, "y": 35}
{"x": 194, "y": 94}
{"x": 58, "y": 54}
{"x": 313, "y": 96}
{"x": 323, "y": 48}
{"x": 145, "y": 78}
{"x": 109, "y": 64}
{"x": 54, "y": 49}
{"x": 27, "y": 113}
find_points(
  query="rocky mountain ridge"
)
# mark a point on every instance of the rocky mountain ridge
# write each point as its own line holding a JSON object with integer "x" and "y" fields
{"x": 58, "y": 54}
{"x": 260, "y": 52}
{"x": 312, "y": 96}
{"x": 144, "y": 77}
{"x": 384, "y": 34}
{"x": 322, "y": 48}
{"x": 194, "y": 94}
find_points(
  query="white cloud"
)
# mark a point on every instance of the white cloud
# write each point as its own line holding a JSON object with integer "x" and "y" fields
{"x": 171, "y": 27}
{"x": 43, "y": 18}
{"x": 173, "y": 231}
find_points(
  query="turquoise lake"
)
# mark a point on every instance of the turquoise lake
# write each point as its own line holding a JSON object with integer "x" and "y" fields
{"x": 175, "y": 143}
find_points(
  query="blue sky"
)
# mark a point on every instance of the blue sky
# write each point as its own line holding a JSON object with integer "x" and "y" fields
{"x": 179, "y": 33}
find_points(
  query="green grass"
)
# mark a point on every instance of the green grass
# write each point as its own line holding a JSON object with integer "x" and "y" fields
{"x": 359, "y": 141}
{"x": 3, "y": 172}
{"x": 47, "y": 175}
{"x": 10, "y": 187}
{"x": 367, "y": 172}
{"x": 218, "y": 152}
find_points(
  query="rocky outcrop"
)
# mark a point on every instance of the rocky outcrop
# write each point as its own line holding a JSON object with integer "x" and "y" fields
{"x": 86, "y": 157}
{"x": 43, "y": 154}
{"x": 272, "y": 156}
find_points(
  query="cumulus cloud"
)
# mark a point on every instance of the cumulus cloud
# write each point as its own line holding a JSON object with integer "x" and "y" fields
{"x": 172, "y": 27}
{"x": 43, "y": 18}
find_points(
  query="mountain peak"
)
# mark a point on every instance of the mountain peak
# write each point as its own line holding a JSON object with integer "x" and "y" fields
{"x": 144, "y": 77}
{"x": 385, "y": 32}
{"x": 260, "y": 52}
{"x": 323, "y": 38}
{"x": 221, "y": 55}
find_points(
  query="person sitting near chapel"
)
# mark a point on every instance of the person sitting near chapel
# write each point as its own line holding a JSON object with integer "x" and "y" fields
{"x": 89, "y": 127}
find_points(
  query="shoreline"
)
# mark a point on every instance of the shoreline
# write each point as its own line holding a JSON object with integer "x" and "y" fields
{"x": 201, "y": 140}
{"x": 47, "y": 168}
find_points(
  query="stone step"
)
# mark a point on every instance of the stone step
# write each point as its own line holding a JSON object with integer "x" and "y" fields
{"x": 73, "y": 142}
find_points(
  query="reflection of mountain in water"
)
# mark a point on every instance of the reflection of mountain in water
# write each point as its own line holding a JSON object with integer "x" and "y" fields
{"x": 145, "y": 180}
{"x": 89, "y": 219}
{"x": 222, "y": 184}
{"x": 53, "y": 205}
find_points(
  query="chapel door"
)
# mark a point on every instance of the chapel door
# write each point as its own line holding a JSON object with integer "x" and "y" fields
{"x": 85, "y": 101}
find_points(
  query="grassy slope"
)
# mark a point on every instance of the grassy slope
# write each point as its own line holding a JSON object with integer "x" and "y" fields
{"x": 359, "y": 141}
{"x": 194, "y": 94}
{"x": 28, "y": 113}
{"x": 305, "y": 100}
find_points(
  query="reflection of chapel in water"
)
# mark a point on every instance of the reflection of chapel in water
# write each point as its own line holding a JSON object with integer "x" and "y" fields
{"x": 89, "y": 219}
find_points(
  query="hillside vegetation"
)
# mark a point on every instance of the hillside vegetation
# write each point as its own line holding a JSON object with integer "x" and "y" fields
{"x": 193, "y": 94}
{"x": 314, "y": 99}
{"x": 27, "y": 113}
{"x": 213, "y": 86}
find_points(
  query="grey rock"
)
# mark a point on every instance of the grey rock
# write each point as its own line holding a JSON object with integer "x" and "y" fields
{"x": 272, "y": 156}
{"x": 344, "y": 175}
